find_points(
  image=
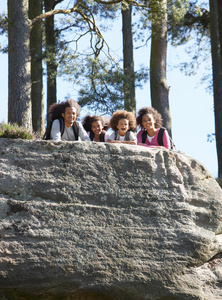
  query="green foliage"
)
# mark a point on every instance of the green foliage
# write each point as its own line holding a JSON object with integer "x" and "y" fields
{"x": 102, "y": 87}
{"x": 190, "y": 19}
{"x": 13, "y": 131}
{"x": 3, "y": 30}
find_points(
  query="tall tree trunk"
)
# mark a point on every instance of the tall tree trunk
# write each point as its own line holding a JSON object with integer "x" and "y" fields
{"x": 219, "y": 10}
{"x": 217, "y": 80}
{"x": 158, "y": 82}
{"x": 19, "y": 70}
{"x": 35, "y": 9}
{"x": 128, "y": 62}
{"x": 50, "y": 53}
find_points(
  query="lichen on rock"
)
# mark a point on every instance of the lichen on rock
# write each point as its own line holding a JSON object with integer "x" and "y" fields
{"x": 86, "y": 220}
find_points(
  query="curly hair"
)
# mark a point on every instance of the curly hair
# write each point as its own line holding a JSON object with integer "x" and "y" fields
{"x": 88, "y": 120}
{"x": 57, "y": 109}
{"x": 123, "y": 114}
{"x": 151, "y": 111}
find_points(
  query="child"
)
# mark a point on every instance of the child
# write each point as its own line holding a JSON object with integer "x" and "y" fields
{"x": 150, "y": 122}
{"x": 94, "y": 125}
{"x": 123, "y": 124}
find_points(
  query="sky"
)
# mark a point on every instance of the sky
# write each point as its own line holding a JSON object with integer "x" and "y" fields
{"x": 191, "y": 106}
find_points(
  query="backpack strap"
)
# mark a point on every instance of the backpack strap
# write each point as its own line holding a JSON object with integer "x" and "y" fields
{"x": 116, "y": 135}
{"x": 160, "y": 136}
{"x": 144, "y": 136}
{"x": 75, "y": 128}
{"x": 91, "y": 135}
{"x": 102, "y": 136}
{"x": 62, "y": 125}
{"x": 46, "y": 135}
{"x": 127, "y": 136}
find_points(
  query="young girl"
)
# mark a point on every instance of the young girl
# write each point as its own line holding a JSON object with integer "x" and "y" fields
{"x": 123, "y": 124}
{"x": 95, "y": 125}
{"x": 150, "y": 122}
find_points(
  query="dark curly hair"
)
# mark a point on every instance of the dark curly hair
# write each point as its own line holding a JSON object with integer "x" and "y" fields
{"x": 88, "y": 120}
{"x": 57, "y": 109}
{"x": 123, "y": 114}
{"x": 151, "y": 111}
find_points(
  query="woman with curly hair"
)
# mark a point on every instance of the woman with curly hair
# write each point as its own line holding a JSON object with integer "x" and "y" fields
{"x": 95, "y": 125}
{"x": 123, "y": 124}
{"x": 62, "y": 122}
{"x": 150, "y": 122}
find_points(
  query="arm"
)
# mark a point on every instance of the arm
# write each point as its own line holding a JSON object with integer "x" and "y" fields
{"x": 82, "y": 133}
{"x": 139, "y": 138}
{"x": 106, "y": 137}
{"x": 132, "y": 140}
{"x": 55, "y": 131}
{"x": 166, "y": 140}
{"x": 129, "y": 142}
{"x": 111, "y": 138}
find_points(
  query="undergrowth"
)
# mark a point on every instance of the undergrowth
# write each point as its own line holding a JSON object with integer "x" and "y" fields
{"x": 14, "y": 131}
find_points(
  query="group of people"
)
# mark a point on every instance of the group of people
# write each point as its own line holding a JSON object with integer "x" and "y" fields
{"x": 64, "y": 126}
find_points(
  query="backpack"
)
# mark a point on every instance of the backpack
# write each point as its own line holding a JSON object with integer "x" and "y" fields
{"x": 62, "y": 128}
{"x": 159, "y": 138}
{"x": 127, "y": 136}
{"x": 101, "y": 137}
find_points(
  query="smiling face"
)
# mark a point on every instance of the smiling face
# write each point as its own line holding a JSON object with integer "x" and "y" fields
{"x": 148, "y": 122}
{"x": 69, "y": 116}
{"x": 123, "y": 126}
{"x": 96, "y": 127}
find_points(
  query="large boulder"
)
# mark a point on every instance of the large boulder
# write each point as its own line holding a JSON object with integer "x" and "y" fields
{"x": 86, "y": 220}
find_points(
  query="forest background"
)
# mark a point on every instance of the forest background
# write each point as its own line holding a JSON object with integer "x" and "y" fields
{"x": 191, "y": 101}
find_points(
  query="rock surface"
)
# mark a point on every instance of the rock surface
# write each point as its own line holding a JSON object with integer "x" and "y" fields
{"x": 85, "y": 221}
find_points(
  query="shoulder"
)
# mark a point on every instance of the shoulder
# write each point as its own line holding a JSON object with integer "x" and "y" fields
{"x": 164, "y": 131}
{"x": 140, "y": 132}
{"x": 132, "y": 136}
{"x": 78, "y": 124}
{"x": 56, "y": 123}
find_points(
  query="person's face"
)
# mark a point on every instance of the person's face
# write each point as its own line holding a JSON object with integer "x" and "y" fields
{"x": 96, "y": 127}
{"x": 123, "y": 126}
{"x": 69, "y": 116}
{"x": 148, "y": 121}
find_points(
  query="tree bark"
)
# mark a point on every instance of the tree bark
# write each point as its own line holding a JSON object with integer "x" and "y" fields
{"x": 219, "y": 10}
{"x": 128, "y": 61}
{"x": 35, "y": 9}
{"x": 158, "y": 83}
{"x": 50, "y": 54}
{"x": 19, "y": 70}
{"x": 217, "y": 80}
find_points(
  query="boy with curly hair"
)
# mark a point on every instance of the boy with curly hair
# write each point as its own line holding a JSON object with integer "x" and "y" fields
{"x": 123, "y": 124}
{"x": 63, "y": 124}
